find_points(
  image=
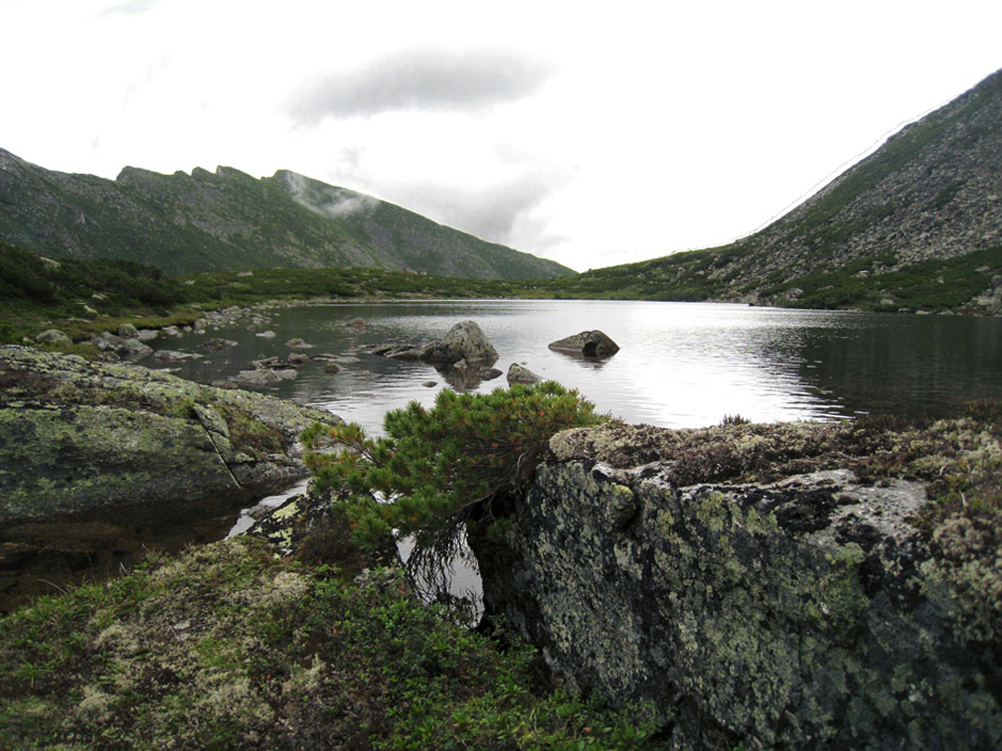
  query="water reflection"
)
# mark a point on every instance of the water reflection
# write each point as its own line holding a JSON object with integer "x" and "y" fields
{"x": 680, "y": 365}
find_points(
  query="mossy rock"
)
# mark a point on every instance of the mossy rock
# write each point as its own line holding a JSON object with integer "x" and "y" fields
{"x": 78, "y": 436}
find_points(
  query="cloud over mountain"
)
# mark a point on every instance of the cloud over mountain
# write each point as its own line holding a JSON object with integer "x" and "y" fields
{"x": 431, "y": 80}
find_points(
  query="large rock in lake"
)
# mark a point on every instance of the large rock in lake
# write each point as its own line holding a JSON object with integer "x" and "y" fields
{"x": 80, "y": 436}
{"x": 762, "y": 586}
{"x": 590, "y": 344}
{"x": 464, "y": 342}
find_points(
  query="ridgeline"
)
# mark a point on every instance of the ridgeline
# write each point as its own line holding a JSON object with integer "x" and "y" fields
{"x": 230, "y": 221}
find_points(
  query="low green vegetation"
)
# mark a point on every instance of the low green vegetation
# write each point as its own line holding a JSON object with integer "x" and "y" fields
{"x": 439, "y": 469}
{"x": 86, "y": 297}
{"x": 229, "y": 647}
{"x": 930, "y": 286}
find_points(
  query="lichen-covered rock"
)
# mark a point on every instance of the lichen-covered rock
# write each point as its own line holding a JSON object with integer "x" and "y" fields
{"x": 80, "y": 436}
{"x": 805, "y": 611}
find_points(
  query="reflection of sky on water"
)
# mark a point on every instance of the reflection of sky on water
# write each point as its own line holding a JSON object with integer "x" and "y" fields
{"x": 680, "y": 365}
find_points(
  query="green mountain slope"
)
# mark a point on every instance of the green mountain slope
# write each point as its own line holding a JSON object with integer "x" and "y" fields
{"x": 917, "y": 225}
{"x": 228, "y": 220}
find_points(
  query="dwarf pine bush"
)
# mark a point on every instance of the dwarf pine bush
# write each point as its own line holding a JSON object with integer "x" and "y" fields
{"x": 437, "y": 466}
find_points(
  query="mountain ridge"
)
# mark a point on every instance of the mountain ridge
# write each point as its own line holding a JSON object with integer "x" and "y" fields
{"x": 928, "y": 202}
{"x": 227, "y": 220}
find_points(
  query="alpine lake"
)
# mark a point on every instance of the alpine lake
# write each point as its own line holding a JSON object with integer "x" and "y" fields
{"x": 680, "y": 365}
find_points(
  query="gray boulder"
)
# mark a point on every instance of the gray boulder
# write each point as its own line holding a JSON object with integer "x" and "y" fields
{"x": 521, "y": 374}
{"x": 257, "y": 377}
{"x": 464, "y": 342}
{"x": 805, "y": 611}
{"x": 173, "y": 357}
{"x": 135, "y": 349}
{"x": 128, "y": 331}
{"x": 54, "y": 337}
{"x": 590, "y": 344}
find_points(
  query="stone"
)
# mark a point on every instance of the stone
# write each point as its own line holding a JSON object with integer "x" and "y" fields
{"x": 298, "y": 343}
{"x": 257, "y": 377}
{"x": 171, "y": 356}
{"x": 135, "y": 349}
{"x": 218, "y": 344}
{"x": 464, "y": 341}
{"x": 802, "y": 612}
{"x": 128, "y": 331}
{"x": 54, "y": 337}
{"x": 521, "y": 374}
{"x": 590, "y": 344}
{"x": 266, "y": 334}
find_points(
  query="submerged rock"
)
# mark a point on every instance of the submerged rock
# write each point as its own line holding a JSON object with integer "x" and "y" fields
{"x": 79, "y": 436}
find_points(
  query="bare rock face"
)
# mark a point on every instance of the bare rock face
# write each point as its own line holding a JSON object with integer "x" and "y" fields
{"x": 802, "y": 611}
{"x": 591, "y": 344}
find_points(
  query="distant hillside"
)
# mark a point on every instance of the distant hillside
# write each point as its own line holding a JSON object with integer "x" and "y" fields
{"x": 230, "y": 221}
{"x": 916, "y": 226}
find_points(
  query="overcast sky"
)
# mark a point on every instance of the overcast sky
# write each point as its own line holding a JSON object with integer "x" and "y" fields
{"x": 592, "y": 134}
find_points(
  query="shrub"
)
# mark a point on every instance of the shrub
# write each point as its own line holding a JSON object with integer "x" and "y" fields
{"x": 437, "y": 466}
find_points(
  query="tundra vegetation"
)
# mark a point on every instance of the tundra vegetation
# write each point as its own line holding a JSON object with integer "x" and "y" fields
{"x": 230, "y": 645}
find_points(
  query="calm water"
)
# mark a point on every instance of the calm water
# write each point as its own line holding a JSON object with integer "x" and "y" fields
{"x": 680, "y": 365}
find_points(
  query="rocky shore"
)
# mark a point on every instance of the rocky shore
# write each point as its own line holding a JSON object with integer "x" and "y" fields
{"x": 85, "y": 442}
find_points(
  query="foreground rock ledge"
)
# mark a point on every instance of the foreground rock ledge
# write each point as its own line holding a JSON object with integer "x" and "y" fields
{"x": 803, "y": 610}
{"x": 79, "y": 436}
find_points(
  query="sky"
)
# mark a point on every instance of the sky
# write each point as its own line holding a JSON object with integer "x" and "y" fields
{"x": 592, "y": 134}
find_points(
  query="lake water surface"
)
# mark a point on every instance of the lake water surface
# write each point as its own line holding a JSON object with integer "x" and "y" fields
{"x": 680, "y": 364}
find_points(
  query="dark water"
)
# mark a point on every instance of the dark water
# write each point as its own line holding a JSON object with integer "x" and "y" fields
{"x": 680, "y": 365}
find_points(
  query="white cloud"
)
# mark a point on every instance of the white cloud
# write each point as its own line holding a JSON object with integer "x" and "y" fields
{"x": 423, "y": 79}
